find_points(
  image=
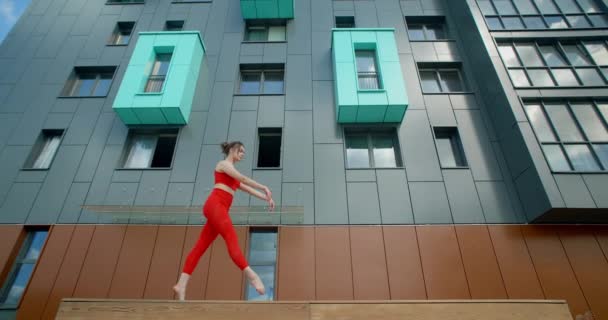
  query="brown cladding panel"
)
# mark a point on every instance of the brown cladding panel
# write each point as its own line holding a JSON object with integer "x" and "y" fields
{"x": 100, "y": 262}
{"x": 296, "y": 265}
{"x": 198, "y": 279}
{"x": 165, "y": 264}
{"x": 405, "y": 274}
{"x": 516, "y": 267}
{"x": 483, "y": 273}
{"x": 334, "y": 279}
{"x": 133, "y": 264}
{"x": 225, "y": 280}
{"x": 589, "y": 265}
{"x": 370, "y": 277}
{"x": 553, "y": 268}
{"x": 443, "y": 270}
{"x": 601, "y": 234}
{"x": 47, "y": 268}
{"x": 9, "y": 239}
{"x": 70, "y": 269}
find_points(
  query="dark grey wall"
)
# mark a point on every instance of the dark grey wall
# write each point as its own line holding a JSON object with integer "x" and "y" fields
{"x": 55, "y": 35}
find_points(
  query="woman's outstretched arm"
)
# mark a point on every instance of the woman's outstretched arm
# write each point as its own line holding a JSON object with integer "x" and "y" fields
{"x": 229, "y": 169}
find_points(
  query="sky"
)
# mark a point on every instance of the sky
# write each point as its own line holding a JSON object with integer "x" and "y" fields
{"x": 10, "y": 11}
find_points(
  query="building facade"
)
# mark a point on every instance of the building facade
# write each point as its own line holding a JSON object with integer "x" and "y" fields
{"x": 418, "y": 149}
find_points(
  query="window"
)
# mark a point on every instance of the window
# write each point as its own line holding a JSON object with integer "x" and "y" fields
{"x": 159, "y": 72}
{"x": 573, "y": 134}
{"x": 345, "y": 22}
{"x": 22, "y": 269}
{"x": 261, "y": 79}
{"x": 449, "y": 147}
{"x": 44, "y": 150}
{"x": 556, "y": 64}
{"x": 437, "y": 79}
{"x": 374, "y": 148}
{"x": 269, "y": 148}
{"x": 89, "y": 82}
{"x": 426, "y": 28}
{"x": 122, "y": 34}
{"x": 176, "y": 25}
{"x": 367, "y": 72}
{"x": 265, "y": 32}
{"x": 543, "y": 14}
{"x": 150, "y": 149}
{"x": 263, "y": 260}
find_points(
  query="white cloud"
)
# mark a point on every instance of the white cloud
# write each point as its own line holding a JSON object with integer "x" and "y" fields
{"x": 7, "y": 11}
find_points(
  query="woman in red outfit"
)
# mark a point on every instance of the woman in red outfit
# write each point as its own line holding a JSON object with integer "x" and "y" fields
{"x": 227, "y": 180}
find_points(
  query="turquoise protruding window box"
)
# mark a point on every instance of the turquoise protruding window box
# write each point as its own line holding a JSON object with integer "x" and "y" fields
{"x": 267, "y": 9}
{"x": 355, "y": 105}
{"x": 173, "y": 103}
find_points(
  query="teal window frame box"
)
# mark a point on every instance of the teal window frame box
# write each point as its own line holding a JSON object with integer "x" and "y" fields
{"x": 173, "y": 104}
{"x": 354, "y": 105}
{"x": 267, "y": 9}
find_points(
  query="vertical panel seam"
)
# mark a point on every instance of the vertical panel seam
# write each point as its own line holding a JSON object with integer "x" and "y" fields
{"x": 466, "y": 278}
{"x": 426, "y": 293}
{"x": 143, "y": 293}
{"x": 84, "y": 260}
{"x": 540, "y": 282}
{"x": 122, "y": 242}
{"x": 504, "y": 286}
{"x": 559, "y": 237}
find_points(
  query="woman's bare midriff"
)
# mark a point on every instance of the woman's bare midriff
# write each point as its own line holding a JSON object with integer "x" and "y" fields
{"x": 224, "y": 187}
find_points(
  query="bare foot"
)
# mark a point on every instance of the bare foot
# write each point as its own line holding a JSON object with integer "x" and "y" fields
{"x": 256, "y": 282}
{"x": 181, "y": 292}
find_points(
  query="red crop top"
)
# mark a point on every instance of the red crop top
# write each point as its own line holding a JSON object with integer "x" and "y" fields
{"x": 224, "y": 178}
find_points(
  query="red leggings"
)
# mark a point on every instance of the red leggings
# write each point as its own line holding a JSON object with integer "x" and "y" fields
{"x": 218, "y": 222}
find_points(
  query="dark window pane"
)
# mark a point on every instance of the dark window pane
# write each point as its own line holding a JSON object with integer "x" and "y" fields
{"x": 161, "y": 65}
{"x": 357, "y": 154}
{"x": 519, "y": 78}
{"x": 429, "y": 81}
{"x": 590, "y": 121}
{"x": 601, "y": 150}
{"x": 368, "y": 82}
{"x": 525, "y": 7}
{"x": 273, "y": 82}
{"x": 589, "y": 6}
{"x": 269, "y": 151}
{"x": 384, "y": 151}
{"x": 18, "y": 287}
{"x": 256, "y": 33}
{"x": 103, "y": 85}
{"x": 33, "y": 252}
{"x": 508, "y": 54}
{"x": 449, "y": 148}
{"x": 581, "y": 158}
{"x": 528, "y": 54}
{"x": 504, "y": 7}
{"x": 563, "y": 122}
{"x": 546, "y": 6}
{"x": 486, "y": 7}
{"x": 578, "y": 21}
{"x": 494, "y": 23}
{"x": 512, "y": 23}
{"x": 176, "y": 25}
{"x": 164, "y": 152}
{"x": 250, "y": 83}
{"x": 435, "y": 32}
{"x": 603, "y": 107}
{"x": 575, "y": 54}
{"x": 552, "y": 56}
{"x": 565, "y": 77}
{"x": 85, "y": 84}
{"x": 540, "y": 78}
{"x": 345, "y": 22}
{"x": 598, "y": 51}
{"x": 366, "y": 60}
{"x": 450, "y": 81}
{"x": 534, "y": 23}
{"x": 556, "y": 22}
{"x": 539, "y": 123}
{"x": 568, "y": 6}
{"x": 555, "y": 157}
{"x": 415, "y": 32}
{"x": 599, "y": 20}
{"x": 590, "y": 77}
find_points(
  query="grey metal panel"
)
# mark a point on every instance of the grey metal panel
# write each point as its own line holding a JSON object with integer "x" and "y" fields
{"x": 57, "y": 121}
{"x": 217, "y": 130}
{"x": 394, "y": 194}
{"x": 367, "y": 175}
{"x": 16, "y": 67}
{"x": 118, "y": 133}
{"x": 188, "y": 148}
{"x": 12, "y": 159}
{"x": 533, "y": 196}
{"x": 243, "y": 128}
{"x": 18, "y": 202}
{"x": 131, "y": 13}
{"x": 49, "y": 48}
{"x": 87, "y": 18}
{"x": 431, "y": 5}
{"x": 72, "y": 205}
{"x": 330, "y": 185}
{"x": 98, "y": 38}
{"x": 497, "y": 207}
{"x": 160, "y": 12}
{"x": 463, "y": 101}
{"x": 34, "y": 117}
{"x": 298, "y": 194}
{"x": 275, "y": 53}
{"x": 55, "y": 188}
{"x": 214, "y": 29}
{"x": 597, "y": 186}
{"x": 61, "y": 68}
{"x": 103, "y": 175}
{"x": 21, "y": 97}
{"x": 227, "y": 69}
{"x": 412, "y": 82}
{"x": 299, "y": 29}
{"x": 112, "y": 56}
{"x": 234, "y": 18}
{"x": 31, "y": 176}
{"x": 153, "y": 187}
{"x": 322, "y": 17}
{"x": 430, "y": 203}
{"x": 509, "y": 182}
{"x": 363, "y": 207}
{"x": 92, "y": 155}
{"x": 8, "y": 123}
{"x": 5, "y": 90}
{"x": 179, "y": 194}
{"x": 326, "y": 128}
{"x": 205, "y": 83}
{"x": 121, "y": 193}
{"x": 446, "y": 51}
{"x": 197, "y": 20}
{"x": 243, "y": 103}
{"x": 48, "y": 17}
{"x": 424, "y": 51}
{"x": 393, "y": 18}
{"x": 298, "y": 147}
{"x": 322, "y": 68}
{"x": 298, "y": 83}
{"x": 210, "y": 155}
{"x": 84, "y": 121}
{"x": 126, "y": 175}
{"x": 365, "y": 14}
{"x": 418, "y": 148}
{"x": 271, "y": 179}
{"x": 462, "y": 195}
{"x": 477, "y": 146}
{"x": 271, "y": 111}
{"x": 252, "y": 49}
{"x": 411, "y": 8}
{"x": 343, "y": 5}
{"x": 441, "y": 115}
{"x": 574, "y": 191}
{"x": 251, "y": 59}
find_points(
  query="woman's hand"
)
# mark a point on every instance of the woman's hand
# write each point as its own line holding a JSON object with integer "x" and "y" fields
{"x": 270, "y": 204}
{"x": 267, "y": 192}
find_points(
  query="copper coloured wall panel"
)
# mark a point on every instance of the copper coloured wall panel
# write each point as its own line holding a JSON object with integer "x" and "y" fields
{"x": 165, "y": 263}
{"x": 334, "y": 279}
{"x": 405, "y": 275}
{"x": 370, "y": 277}
{"x": 296, "y": 264}
{"x": 198, "y": 279}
